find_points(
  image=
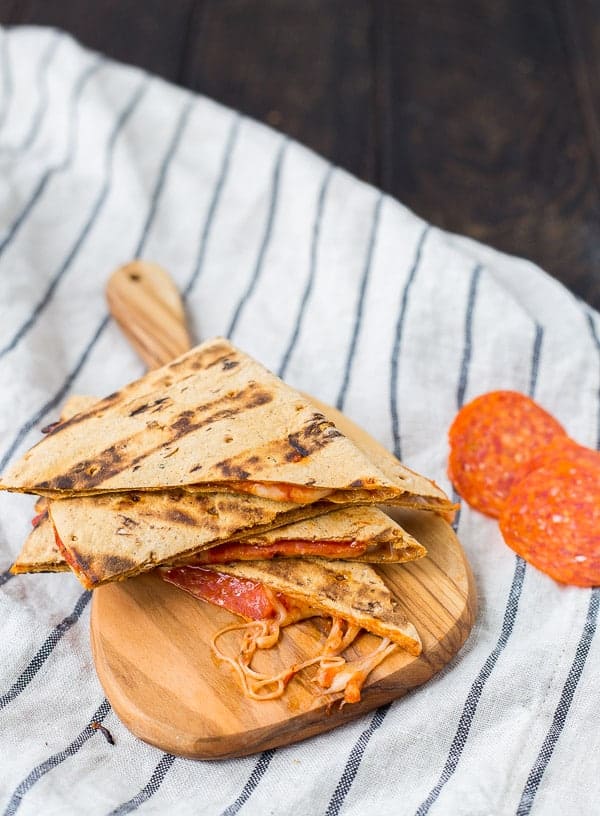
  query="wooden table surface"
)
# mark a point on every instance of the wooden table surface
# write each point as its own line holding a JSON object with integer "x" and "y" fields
{"x": 482, "y": 116}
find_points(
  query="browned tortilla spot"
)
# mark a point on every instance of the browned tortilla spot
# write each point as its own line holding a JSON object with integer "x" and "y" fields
{"x": 180, "y": 516}
{"x": 110, "y": 462}
{"x": 94, "y": 566}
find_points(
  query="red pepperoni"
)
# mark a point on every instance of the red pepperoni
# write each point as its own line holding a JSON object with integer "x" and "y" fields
{"x": 561, "y": 449}
{"x": 239, "y": 551}
{"x": 492, "y": 441}
{"x": 552, "y": 517}
{"x": 239, "y": 595}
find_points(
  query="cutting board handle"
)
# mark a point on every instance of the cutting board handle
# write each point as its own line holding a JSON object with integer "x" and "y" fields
{"x": 146, "y": 304}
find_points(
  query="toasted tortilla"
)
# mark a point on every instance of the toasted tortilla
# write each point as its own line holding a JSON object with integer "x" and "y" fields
{"x": 40, "y": 552}
{"x": 375, "y": 536}
{"x": 384, "y": 539}
{"x": 344, "y": 589}
{"x": 112, "y": 537}
{"x": 212, "y": 420}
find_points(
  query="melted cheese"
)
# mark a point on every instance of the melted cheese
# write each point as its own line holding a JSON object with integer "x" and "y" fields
{"x": 266, "y": 613}
{"x": 335, "y": 674}
{"x": 349, "y": 677}
{"x": 280, "y": 491}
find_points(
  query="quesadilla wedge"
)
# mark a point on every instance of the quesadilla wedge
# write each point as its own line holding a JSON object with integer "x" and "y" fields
{"x": 116, "y": 536}
{"x": 363, "y": 534}
{"x": 359, "y": 533}
{"x": 212, "y": 420}
{"x": 356, "y": 533}
{"x": 40, "y": 552}
{"x": 271, "y": 595}
{"x": 112, "y": 538}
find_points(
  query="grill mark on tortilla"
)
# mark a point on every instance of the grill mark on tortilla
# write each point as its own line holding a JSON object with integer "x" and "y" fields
{"x": 200, "y": 362}
{"x": 301, "y": 450}
{"x": 316, "y": 434}
{"x": 180, "y": 517}
{"x": 147, "y": 406}
{"x": 93, "y": 410}
{"x": 110, "y": 462}
{"x": 96, "y": 565}
{"x": 206, "y": 358}
{"x": 226, "y": 360}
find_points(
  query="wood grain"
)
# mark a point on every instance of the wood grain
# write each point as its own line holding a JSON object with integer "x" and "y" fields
{"x": 147, "y": 306}
{"x": 151, "y": 646}
{"x": 151, "y": 641}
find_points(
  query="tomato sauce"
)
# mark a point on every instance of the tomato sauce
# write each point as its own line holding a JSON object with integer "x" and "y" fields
{"x": 239, "y": 551}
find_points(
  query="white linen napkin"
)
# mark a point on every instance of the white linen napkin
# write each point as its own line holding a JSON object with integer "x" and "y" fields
{"x": 349, "y": 296}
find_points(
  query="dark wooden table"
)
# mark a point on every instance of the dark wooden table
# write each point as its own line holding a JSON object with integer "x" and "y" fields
{"x": 482, "y": 116}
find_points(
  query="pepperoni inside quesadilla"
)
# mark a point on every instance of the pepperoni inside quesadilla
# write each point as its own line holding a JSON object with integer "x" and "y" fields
{"x": 239, "y": 551}
{"x": 266, "y": 612}
{"x": 249, "y": 599}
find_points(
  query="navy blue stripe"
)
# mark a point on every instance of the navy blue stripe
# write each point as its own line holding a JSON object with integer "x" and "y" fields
{"x": 44, "y": 652}
{"x": 60, "y": 394}
{"x": 535, "y": 362}
{"x": 510, "y": 614}
{"x": 42, "y": 83}
{"x": 5, "y": 577}
{"x": 91, "y": 219}
{"x": 56, "y": 759}
{"x": 596, "y": 340}
{"x": 341, "y": 398}
{"x": 171, "y": 150}
{"x": 58, "y": 397}
{"x": 275, "y": 183}
{"x": 562, "y": 709}
{"x": 148, "y": 790}
{"x": 395, "y": 361}
{"x": 474, "y": 695}
{"x": 468, "y": 346}
{"x": 312, "y": 270}
{"x": 265, "y": 758}
{"x": 7, "y": 80}
{"x": 354, "y": 760}
{"x": 214, "y": 203}
{"x": 585, "y": 641}
{"x": 257, "y": 774}
{"x": 65, "y": 161}
{"x": 356, "y": 754}
{"x": 465, "y": 365}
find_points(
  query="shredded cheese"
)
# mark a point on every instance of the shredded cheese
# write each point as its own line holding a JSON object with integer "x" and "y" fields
{"x": 350, "y": 677}
{"x": 335, "y": 674}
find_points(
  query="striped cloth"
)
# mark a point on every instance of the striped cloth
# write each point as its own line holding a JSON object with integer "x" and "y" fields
{"x": 349, "y": 296}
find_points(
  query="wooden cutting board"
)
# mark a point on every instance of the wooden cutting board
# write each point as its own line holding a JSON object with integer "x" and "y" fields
{"x": 151, "y": 641}
{"x": 151, "y": 646}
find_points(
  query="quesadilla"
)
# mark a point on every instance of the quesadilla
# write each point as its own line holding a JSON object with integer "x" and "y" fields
{"x": 112, "y": 537}
{"x": 102, "y": 545}
{"x": 40, "y": 552}
{"x": 212, "y": 420}
{"x": 360, "y": 533}
{"x": 353, "y": 533}
{"x": 271, "y": 595}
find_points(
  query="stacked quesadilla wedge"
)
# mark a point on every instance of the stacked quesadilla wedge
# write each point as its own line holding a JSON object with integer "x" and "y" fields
{"x": 213, "y": 466}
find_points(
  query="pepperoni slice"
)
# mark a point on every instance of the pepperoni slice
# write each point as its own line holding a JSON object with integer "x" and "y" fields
{"x": 492, "y": 441}
{"x": 239, "y": 595}
{"x": 561, "y": 449}
{"x": 552, "y": 517}
{"x": 238, "y": 551}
